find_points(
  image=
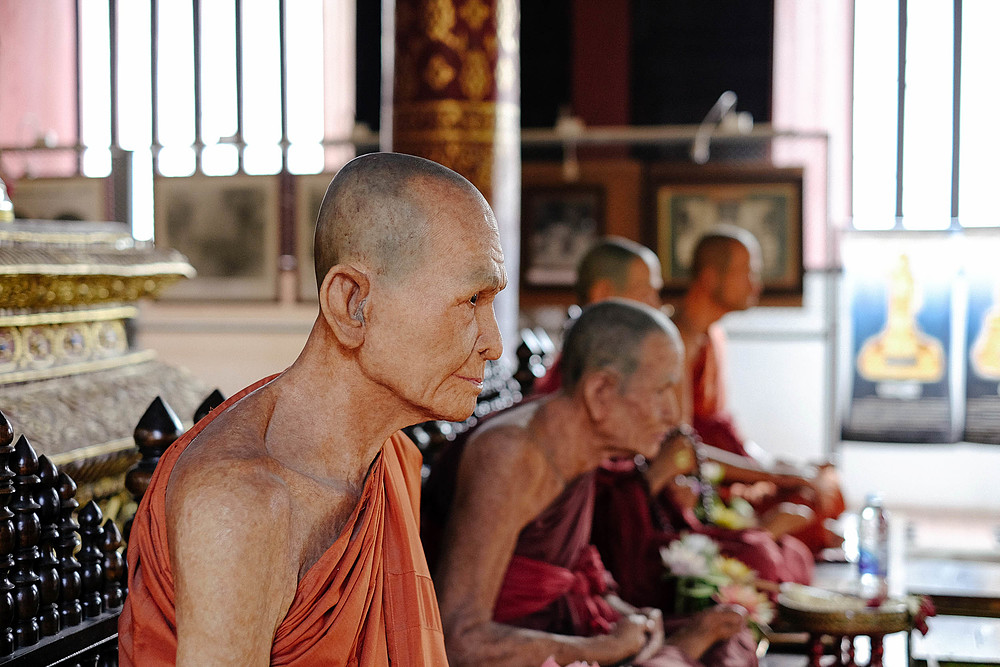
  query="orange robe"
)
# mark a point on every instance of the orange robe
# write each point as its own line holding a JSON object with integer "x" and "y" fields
{"x": 367, "y": 601}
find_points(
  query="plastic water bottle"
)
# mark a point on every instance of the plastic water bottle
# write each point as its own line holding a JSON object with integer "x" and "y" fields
{"x": 873, "y": 551}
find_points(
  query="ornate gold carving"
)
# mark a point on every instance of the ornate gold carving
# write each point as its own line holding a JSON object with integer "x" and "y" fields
{"x": 439, "y": 17}
{"x": 438, "y": 73}
{"x": 475, "y": 78}
{"x": 59, "y": 416}
{"x": 28, "y": 318}
{"x": 44, "y": 347}
{"x": 475, "y": 13}
{"x": 42, "y": 290}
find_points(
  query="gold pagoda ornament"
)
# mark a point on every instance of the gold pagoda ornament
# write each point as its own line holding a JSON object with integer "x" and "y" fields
{"x": 901, "y": 351}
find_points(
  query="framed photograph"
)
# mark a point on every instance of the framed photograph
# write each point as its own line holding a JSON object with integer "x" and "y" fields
{"x": 227, "y": 227}
{"x": 558, "y": 226}
{"x": 687, "y": 201}
{"x": 309, "y": 192}
{"x": 71, "y": 198}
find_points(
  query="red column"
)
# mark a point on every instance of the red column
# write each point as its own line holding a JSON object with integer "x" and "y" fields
{"x": 456, "y": 100}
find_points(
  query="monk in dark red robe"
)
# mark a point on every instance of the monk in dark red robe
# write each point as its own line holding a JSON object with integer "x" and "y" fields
{"x": 632, "y": 522}
{"x": 517, "y": 578}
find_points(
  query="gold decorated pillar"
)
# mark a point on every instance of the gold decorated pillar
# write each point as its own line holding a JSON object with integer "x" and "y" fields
{"x": 456, "y": 100}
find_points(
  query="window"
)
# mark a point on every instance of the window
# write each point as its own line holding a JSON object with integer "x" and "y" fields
{"x": 199, "y": 89}
{"x": 924, "y": 91}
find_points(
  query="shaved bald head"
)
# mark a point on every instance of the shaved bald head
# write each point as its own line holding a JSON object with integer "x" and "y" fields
{"x": 609, "y": 335}
{"x": 715, "y": 248}
{"x": 375, "y": 212}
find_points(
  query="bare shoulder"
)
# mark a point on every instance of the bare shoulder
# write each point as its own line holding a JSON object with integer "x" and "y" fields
{"x": 502, "y": 448}
{"x": 223, "y": 489}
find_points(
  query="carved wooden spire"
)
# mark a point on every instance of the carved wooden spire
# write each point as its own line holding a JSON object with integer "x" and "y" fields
{"x": 157, "y": 429}
{"x": 114, "y": 566}
{"x": 212, "y": 401}
{"x": 90, "y": 557}
{"x": 47, "y": 565}
{"x": 70, "y": 610}
{"x": 27, "y": 529}
{"x": 6, "y": 539}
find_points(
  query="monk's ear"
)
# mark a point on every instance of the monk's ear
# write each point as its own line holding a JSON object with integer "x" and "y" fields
{"x": 600, "y": 390}
{"x": 343, "y": 300}
{"x": 601, "y": 290}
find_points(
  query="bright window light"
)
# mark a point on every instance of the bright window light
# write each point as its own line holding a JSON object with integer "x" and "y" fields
{"x": 979, "y": 146}
{"x": 176, "y": 161}
{"x": 134, "y": 109}
{"x": 305, "y": 158}
{"x": 262, "y": 158}
{"x": 175, "y": 75}
{"x": 95, "y": 87}
{"x": 927, "y": 122}
{"x": 218, "y": 71}
{"x": 876, "y": 45}
{"x": 220, "y": 160}
{"x": 261, "y": 80}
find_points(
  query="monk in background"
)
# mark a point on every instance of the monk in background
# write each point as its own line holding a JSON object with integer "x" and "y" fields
{"x": 517, "y": 577}
{"x": 644, "y": 504}
{"x": 725, "y": 272}
{"x": 282, "y": 529}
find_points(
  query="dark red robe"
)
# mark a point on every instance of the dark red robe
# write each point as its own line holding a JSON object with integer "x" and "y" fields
{"x": 556, "y": 581}
{"x": 630, "y": 526}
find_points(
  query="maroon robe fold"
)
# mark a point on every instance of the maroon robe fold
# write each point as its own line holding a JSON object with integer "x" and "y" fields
{"x": 557, "y": 544}
{"x": 630, "y": 526}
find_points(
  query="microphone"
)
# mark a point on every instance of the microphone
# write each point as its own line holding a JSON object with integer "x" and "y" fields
{"x": 720, "y": 112}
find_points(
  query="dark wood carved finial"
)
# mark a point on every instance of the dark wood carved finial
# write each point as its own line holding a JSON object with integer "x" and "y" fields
{"x": 157, "y": 429}
{"x": 114, "y": 566}
{"x": 70, "y": 609}
{"x": 47, "y": 565}
{"x": 6, "y": 539}
{"x": 90, "y": 557}
{"x": 211, "y": 402}
{"x": 27, "y": 530}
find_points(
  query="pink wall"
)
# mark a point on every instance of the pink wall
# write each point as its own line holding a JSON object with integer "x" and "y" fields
{"x": 37, "y": 84}
{"x": 813, "y": 73}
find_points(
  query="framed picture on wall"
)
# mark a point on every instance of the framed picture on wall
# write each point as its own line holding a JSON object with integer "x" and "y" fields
{"x": 71, "y": 198}
{"x": 686, "y": 201}
{"x": 558, "y": 225}
{"x": 227, "y": 227}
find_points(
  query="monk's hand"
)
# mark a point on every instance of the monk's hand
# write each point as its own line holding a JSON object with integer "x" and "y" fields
{"x": 654, "y": 634}
{"x": 633, "y": 634}
{"x": 721, "y": 622}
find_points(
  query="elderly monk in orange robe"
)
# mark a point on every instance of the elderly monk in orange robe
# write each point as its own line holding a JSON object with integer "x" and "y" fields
{"x": 517, "y": 577}
{"x": 283, "y": 528}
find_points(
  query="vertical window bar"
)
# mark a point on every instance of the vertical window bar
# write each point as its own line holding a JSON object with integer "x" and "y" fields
{"x": 901, "y": 97}
{"x": 199, "y": 144}
{"x": 956, "y": 117}
{"x": 78, "y": 44}
{"x": 154, "y": 47}
{"x": 240, "y": 144}
{"x": 113, "y": 51}
{"x": 283, "y": 83}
